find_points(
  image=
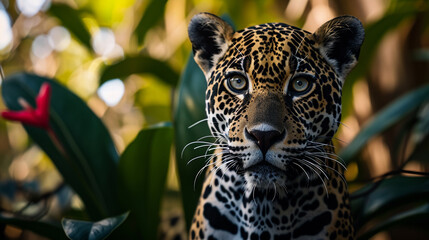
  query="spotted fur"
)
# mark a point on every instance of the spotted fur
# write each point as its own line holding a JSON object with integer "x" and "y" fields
{"x": 273, "y": 103}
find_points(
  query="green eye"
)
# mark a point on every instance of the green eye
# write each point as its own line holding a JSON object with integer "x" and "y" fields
{"x": 300, "y": 84}
{"x": 237, "y": 83}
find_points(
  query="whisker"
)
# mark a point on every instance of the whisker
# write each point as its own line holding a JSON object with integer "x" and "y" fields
{"x": 343, "y": 124}
{"x": 210, "y": 145}
{"x": 317, "y": 167}
{"x": 205, "y": 156}
{"x": 324, "y": 156}
{"x": 198, "y": 122}
{"x": 339, "y": 174}
{"x": 194, "y": 142}
{"x": 305, "y": 172}
{"x": 320, "y": 177}
{"x": 275, "y": 191}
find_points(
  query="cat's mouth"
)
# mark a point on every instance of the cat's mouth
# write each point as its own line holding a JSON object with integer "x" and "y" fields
{"x": 264, "y": 175}
{"x": 263, "y": 166}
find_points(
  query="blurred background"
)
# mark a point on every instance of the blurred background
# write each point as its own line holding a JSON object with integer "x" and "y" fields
{"x": 39, "y": 36}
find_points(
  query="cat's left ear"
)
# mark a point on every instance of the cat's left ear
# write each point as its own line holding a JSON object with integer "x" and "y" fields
{"x": 339, "y": 41}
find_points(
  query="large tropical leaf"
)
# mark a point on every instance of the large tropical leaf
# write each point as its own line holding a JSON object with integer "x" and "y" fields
{"x": 45, "y": 229}
{"x": 381, "y": 197}
{"x": 189, "y": 126}
{"x": 140, "y": 64}
{"x": 415, "y": 215}
{"x": 84, "y": 230}
{"x": 189, "y": 109}
{"x": 90, "y": 163}
{"x": 143, "y": 170}
{"x": 392, "y": 114}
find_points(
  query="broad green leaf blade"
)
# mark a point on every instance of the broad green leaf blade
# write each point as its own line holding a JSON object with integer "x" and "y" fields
{"x": 190, "y": 125}
{"x": 44, "y": 229}
{"x": 395, "y": 112}
{"x": 377, "y": 198}
{"x": 70, "y": 19}
{"x": 420, "y": 135}
{"x": 90, "y": 166}
{"x": 140, "y": 64}
{"x": 416, "y": 215}
{"x": 374, "y": 33}
{"x": 152, "y": 14}
{"x": 143, "y": 170}
{"x": 80, "y": 230}
{"x": 189, "y": 109}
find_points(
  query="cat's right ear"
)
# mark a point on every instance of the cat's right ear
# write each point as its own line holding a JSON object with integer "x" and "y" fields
{"x": 210, "y": 37}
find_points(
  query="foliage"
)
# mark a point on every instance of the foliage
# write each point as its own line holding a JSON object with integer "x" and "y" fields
{"x": 140, "y": 64}
{"x": 89, "y": 162}
{"x": 91, "y": 171}
{"x": 92, "y": 230}
{"x": 110, "y": 183}
{"x": 391, "y": 115}
{"x": 192, "y": 86}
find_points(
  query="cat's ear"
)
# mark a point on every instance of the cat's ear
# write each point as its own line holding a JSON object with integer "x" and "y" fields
{"x": 210, "y": 37}
{"x": 339, "y": 41}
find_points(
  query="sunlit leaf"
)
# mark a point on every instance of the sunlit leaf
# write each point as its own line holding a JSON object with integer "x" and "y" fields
{"x": 90, "y": 164}
{"x": 395, "y": 112}
{"x": 418, "y": 215}
{"x": 152, "y": 14}
{"x": 380, "y": 197}
{"x": 45, "y": 229}
{"x": 143, "y": 170}
{"x": 70, "y": 18}
{"x": 140, "y": 64}
{"x": 79, "y": 230}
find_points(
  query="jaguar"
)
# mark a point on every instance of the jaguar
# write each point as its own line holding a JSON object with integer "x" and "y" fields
{"x": 273, "y": 104}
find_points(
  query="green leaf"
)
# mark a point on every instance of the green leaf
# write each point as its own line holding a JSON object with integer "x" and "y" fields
{"x": 421, "y": 55}
{"x": 70, "y": 18}
{"x": 45, "y": 229}
{"x": 82, "y": 230}
{"x": 420, "y": 135}
{"x": 140, "y": 64}
{"x": 188, "y": 110}
{"x": 392, "y": 114}
{"x": 380, "y": 197}
{"x": 374, "y": 33}
{"x": 152, "y": 14}
{"x": 418, "y": 215}
{"x": 143, "y": 169}
{"x": 90, "y": 164}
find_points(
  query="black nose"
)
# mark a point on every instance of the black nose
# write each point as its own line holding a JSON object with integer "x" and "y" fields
{"x": 265, "y": 139}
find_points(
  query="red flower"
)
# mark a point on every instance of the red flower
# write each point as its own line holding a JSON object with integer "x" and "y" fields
{"x": 38, "y": 117}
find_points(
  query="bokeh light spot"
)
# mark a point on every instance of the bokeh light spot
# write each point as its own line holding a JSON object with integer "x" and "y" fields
{"x": 59, "y": 38}
{"x": 111, "y": 92}
{"x": 30, "y": 7}
{"x": 41, "y": 47}
{"x": 103, "y": 41}
{"x": 5, "y": 30}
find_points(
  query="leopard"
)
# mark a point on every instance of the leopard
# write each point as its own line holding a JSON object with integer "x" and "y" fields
{"x": 273, "y": 106}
